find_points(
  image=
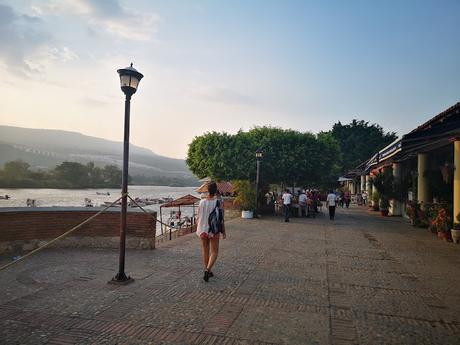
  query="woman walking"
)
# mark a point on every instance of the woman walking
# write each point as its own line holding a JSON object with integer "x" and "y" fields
{"x": 210, "y": 225}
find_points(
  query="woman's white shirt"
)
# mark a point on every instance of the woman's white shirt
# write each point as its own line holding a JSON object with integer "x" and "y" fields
{"x": 205, "y": 208}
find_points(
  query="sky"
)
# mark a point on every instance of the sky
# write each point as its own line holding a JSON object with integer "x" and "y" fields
{"x": 226, "y": 65}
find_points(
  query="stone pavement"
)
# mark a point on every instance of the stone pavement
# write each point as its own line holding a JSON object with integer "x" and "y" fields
{"x": 361, "y": 279}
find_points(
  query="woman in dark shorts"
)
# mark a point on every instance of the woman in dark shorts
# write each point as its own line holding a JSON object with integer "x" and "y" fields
{"x": 209, "y": 240}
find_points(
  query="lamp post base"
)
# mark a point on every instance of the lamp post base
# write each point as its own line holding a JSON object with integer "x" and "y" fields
{"x": 121, "y": 279}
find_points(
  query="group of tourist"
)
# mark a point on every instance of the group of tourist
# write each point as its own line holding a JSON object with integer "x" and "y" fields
{"x": 211, "y": 226}
{"x": 307, "y": 202}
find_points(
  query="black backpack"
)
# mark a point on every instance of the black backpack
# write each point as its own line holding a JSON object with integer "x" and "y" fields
{"x": 216, "y": 219}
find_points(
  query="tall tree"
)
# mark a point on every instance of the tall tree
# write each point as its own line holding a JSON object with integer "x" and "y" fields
{"x": 358, "y": 141}
{"x": 290, "y": 156}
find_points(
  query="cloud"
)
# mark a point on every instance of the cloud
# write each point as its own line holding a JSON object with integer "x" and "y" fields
{"x": 108, "y": 16}
{"x": 22, "y": 37}
{"x": 93, "y": 102}
{"x": 219, "y": 94}
{"x": 63, "y": 54}
{"x": 26, "y": 48}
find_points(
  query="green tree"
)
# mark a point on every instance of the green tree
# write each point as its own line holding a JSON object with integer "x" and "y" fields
{"x": 95, "y": 175}
{"x": 16, "y": 170}
{"x": 72, "y": 175}
{"x": 358, "y": 141}
{"x": 289, "y": 156}
{"x": 112, "y": 175}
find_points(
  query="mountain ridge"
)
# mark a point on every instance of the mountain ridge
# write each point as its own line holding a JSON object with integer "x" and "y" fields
{"x": 45, "y": 148}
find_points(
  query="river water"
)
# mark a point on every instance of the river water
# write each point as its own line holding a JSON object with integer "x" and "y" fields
{"x": 76, "y": 197}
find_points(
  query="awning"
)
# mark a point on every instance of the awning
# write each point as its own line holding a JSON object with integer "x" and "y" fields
{"x": 371, "y": 162}
{"x": 390, "y": 150}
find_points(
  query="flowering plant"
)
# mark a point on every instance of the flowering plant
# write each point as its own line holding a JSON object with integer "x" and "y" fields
{"x": 412, "y": 211}
{"x": 441, "y": 221}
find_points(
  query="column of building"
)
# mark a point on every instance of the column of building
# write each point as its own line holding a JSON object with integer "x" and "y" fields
{"x": 396, "y": 205}
{"x": 456, "y": 179}
{"x": 369, "y": 189}
{"x": 423, "y": 183}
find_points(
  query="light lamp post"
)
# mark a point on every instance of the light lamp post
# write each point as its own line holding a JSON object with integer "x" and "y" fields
{"x": 259, "y": 156}
{"x": 129, "y": 81}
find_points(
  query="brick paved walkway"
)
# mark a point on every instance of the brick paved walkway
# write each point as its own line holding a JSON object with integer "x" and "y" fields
{"x": 362, "y": 279}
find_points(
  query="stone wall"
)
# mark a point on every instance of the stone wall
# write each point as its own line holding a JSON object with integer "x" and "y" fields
{"x": 25, "y": 228}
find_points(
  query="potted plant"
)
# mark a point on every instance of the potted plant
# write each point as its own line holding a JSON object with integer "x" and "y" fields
{"x": 441, "y": 223}
{"x": 245, "y": 198}
{"x": 383, "y": 183}
{"x": 431, "y": 212}
{"x": 412, "y": 209}
{"x": 384, "y": 205}
{"x": 455, "y": 231}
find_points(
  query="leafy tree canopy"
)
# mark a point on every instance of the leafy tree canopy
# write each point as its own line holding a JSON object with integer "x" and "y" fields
{"x": 358, "y": 141}
{"x": 289, "y": 156}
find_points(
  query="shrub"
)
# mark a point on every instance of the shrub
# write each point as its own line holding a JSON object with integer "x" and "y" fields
{"x": 246, "y": 195}
{"x": 375, "y": 200}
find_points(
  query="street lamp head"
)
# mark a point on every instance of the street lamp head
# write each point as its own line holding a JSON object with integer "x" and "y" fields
{"x": 129, "y": 79}
{"x": 259, "y": 153}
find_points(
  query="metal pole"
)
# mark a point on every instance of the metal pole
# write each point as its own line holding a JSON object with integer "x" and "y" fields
{"x": 121, "y": 276}
{"x": 257, "y": 185}
{"x": 161, "y": 220}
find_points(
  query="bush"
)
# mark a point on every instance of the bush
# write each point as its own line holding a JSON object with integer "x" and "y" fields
{"x": 375, "y": 200}
{"x": 246, "y": 195}
{"x": 384, "y": 203}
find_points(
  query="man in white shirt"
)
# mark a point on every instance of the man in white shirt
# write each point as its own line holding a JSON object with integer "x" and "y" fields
{"x": 331, "y": 202}
{"x": 287, "y": 200}
{"x": 303, "y": 202}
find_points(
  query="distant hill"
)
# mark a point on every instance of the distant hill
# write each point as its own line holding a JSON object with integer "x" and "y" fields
{"x": 45, "y": 148}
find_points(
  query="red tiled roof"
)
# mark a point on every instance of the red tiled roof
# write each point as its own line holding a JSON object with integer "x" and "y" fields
{"x": 455, "y": 109}
{"x": 183, "y": 200}
{"x": 223, "y": 187}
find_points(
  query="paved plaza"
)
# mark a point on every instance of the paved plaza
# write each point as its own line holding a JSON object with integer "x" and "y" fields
{"x": 361, "y": 279}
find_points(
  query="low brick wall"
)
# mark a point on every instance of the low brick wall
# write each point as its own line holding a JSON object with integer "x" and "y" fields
{"x": 230, "y": 209}
{"x": 24, "y": 229}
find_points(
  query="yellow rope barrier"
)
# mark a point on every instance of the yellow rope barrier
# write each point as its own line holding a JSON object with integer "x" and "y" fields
{"x": 61, "y": 236}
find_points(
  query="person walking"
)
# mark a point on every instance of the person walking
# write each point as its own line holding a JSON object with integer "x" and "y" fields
{"x": 210, "y": 224}
{"x": 303, "y": 203}
{"x": 364, "y": 196}
{"x": 347, "y": 198}
{"x": 287, "y": 200}
{"x": 331, "y": 201}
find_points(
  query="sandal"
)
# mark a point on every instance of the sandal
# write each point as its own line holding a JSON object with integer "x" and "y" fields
{"x": 206, "y": 276}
